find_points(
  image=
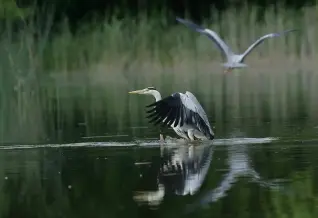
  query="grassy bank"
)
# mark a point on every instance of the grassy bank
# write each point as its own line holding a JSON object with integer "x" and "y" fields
{"x": 55, "y": 87}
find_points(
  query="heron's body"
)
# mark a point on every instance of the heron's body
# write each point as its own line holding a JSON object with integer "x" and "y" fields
{"x": 184, "y": 111}
{"x": 233, "y": 60}
{"x": 195, "y": 126}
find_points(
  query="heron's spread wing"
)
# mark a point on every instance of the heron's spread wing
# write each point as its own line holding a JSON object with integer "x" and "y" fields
{"x": 261, "y": 39}
{"x": 180, "y": 109}
{"x": 198, "y": 108}
{"x": 168, "y": 110}
{"x": 211, "y": 34}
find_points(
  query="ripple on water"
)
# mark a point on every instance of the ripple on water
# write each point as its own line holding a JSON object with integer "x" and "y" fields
{"x": 150, "y": 143}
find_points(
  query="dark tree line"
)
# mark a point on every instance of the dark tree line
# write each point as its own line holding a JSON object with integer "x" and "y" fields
{"x": 78, "y": 11}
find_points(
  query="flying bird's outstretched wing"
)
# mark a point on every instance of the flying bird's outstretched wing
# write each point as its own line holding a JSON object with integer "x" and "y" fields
{"x": 181, "y": 109}
{"x": 211, "y": 34}
{"x": 261, "y": 39}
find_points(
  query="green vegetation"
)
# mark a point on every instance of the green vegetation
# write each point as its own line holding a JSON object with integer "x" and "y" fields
{"x": 52, "y": 82}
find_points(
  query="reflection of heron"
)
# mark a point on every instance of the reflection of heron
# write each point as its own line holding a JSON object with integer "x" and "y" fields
{"x": 181, "y": 111}
{"x": 233, "y": 60}
{"x": 186, "y": 168}
{"x": 182, "y": 172}
{"x": 238, "y": 166}
{"x": 153, "y": 198}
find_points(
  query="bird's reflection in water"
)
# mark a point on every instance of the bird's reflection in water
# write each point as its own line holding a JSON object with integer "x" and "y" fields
{"x": 182, "y": 172}
{"x": 152, "y": 198}
{"x": 239, "y": 166}
{"x": 184, "y": 169}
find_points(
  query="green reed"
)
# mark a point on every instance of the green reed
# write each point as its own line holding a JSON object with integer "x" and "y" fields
{"x": 55, "y": 86}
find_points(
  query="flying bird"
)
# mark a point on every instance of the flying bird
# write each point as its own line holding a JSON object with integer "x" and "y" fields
{"x": 181, "y": 111}
{"x": 233, "y": 60}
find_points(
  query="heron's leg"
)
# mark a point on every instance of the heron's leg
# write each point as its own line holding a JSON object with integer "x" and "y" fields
{"x": 184, "y": 136}
{"x": 191, "y": 134}
{"x": 181, "y": 133}
{"x": 161, "y": 138}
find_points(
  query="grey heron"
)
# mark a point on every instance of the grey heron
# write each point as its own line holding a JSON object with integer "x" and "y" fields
{"x": 233, "y": 60}
{"x": 182, "y": 112}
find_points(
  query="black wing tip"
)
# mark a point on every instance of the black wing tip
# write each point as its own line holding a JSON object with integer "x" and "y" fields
{"x": 179, "y": 19}
{"x": 151, "y": 105}
{"x": 287, "y": 31}
{"x": 211, "y": 137}
{"x": 190, "y": 24}
{"x": 150, "y": 115}
{"x": 291, "y": 30}
{"x": 166, "y": 110}
{"x": 151, "y": 110}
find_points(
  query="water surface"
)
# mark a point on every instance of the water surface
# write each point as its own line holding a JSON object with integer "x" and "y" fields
{"x": 96, "y": 156}
{"x": 238, "y": 176}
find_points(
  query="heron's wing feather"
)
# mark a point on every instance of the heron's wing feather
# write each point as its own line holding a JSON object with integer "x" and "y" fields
{"x": 198, "y": 108}
{"x": 211, "y": 35}
{"x": 168, "y": 109}
{"x": 191, "y": 102}
{"x": 261, "y": 39}
{"x": 181, "y": 109}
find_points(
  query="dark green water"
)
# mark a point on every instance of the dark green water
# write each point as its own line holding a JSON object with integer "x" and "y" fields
{"x": 263, "y": 162}
{"x": 240, "y": 175}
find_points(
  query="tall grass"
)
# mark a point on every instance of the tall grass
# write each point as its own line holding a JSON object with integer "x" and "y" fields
{"x": 55, "y": 87}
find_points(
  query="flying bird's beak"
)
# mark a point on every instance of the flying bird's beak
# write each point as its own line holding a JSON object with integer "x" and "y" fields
{"x": 135, "y": 92}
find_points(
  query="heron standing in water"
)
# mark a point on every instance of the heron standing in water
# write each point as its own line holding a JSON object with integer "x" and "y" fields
{"x": 181, "y": 111}
{"x": 233, "y": 60}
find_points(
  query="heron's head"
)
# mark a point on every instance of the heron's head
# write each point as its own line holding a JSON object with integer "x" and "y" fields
{"x": 146, "y": 91}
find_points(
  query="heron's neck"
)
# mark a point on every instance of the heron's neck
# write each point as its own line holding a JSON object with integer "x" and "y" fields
{"x": 156, "y": 94}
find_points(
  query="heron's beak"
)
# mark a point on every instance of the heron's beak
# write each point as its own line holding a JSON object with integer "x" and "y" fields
{"x": 135, "y": 92}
